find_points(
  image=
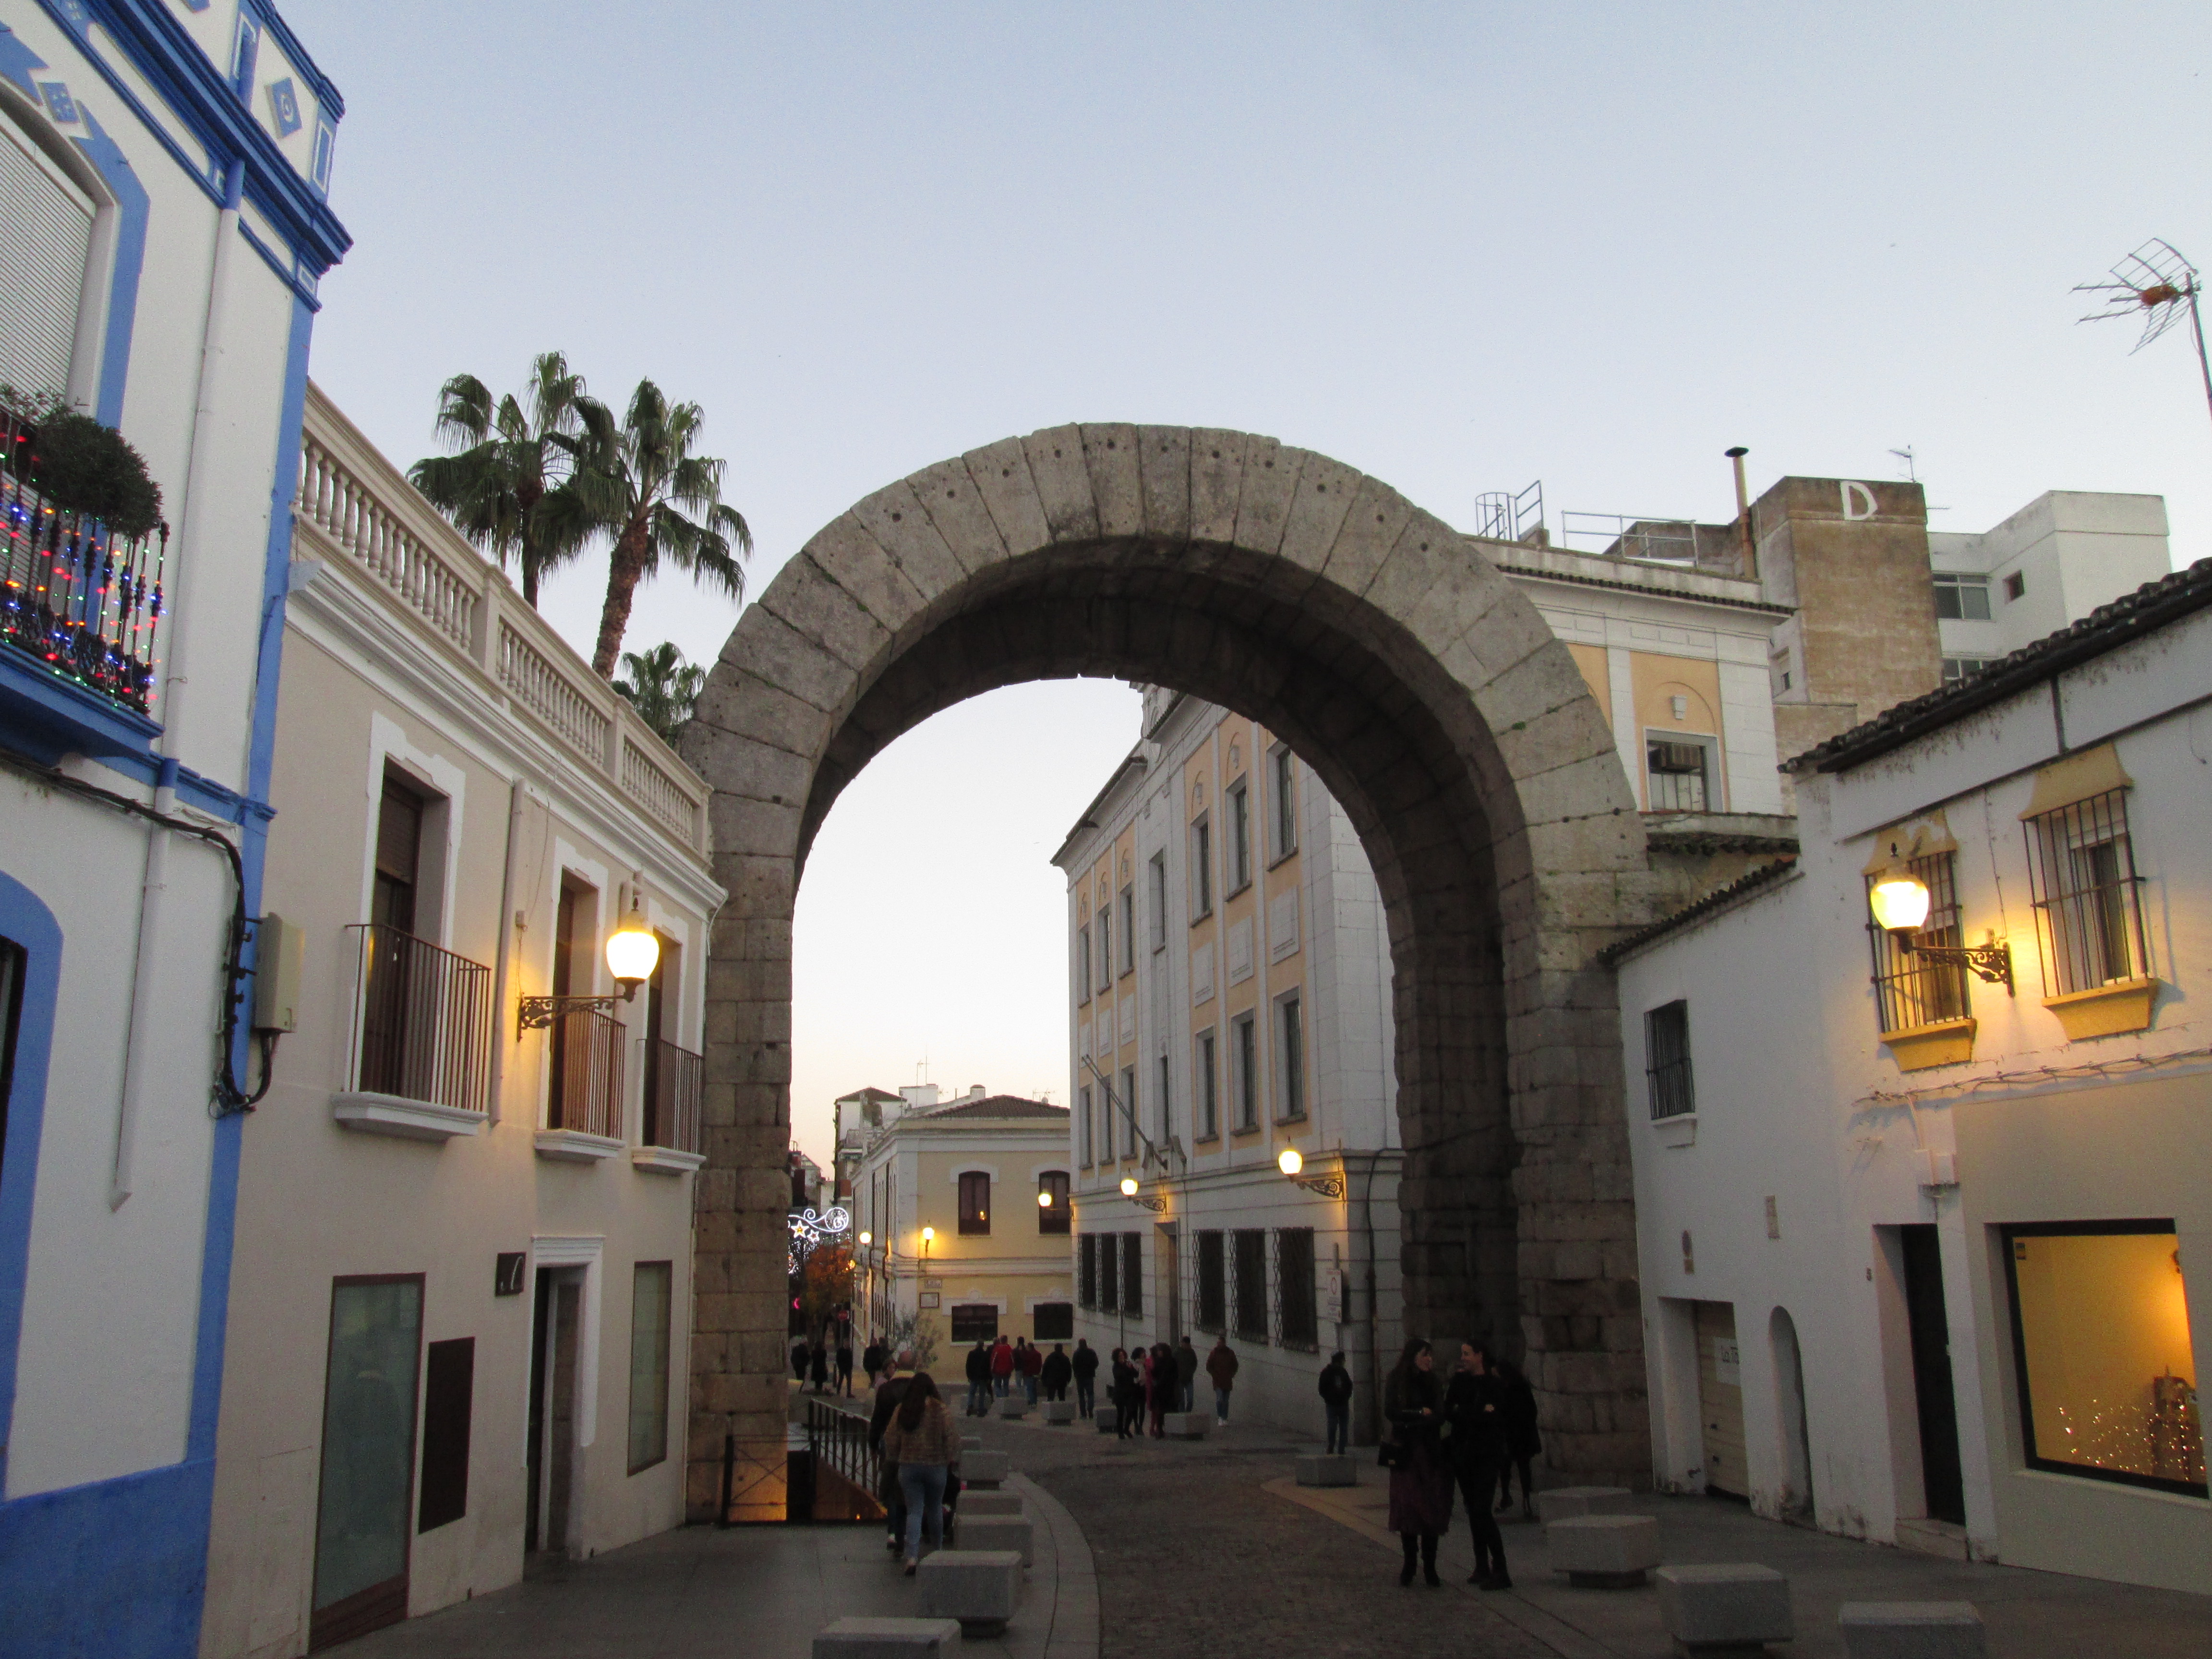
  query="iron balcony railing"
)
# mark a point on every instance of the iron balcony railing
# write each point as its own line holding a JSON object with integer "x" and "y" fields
{"x": 839, "y": 1438}
{"x": 587, "y": 1071}
{"x": 422, "y": 1019}
{"x": 86, "y": 605}
{"x": 674, "y": 1081}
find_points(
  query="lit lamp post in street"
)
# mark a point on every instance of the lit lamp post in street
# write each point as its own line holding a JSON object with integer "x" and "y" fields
{"x": 868, "y": 1281}
{"x": 1899, "y": 901}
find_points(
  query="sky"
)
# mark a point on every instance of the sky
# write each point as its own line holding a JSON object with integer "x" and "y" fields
{"x": 1461, "y": 247}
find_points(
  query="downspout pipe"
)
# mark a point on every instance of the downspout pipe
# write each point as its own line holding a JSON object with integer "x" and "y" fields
{"x": 509, "y": 923}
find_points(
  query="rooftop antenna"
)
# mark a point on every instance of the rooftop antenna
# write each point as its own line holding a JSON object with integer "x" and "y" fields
{"x": 1906, "y": 456}
{"x": 2159, "y": 283}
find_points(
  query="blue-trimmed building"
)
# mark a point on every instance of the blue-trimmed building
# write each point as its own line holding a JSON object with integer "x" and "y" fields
{"x": 164, "y": 166}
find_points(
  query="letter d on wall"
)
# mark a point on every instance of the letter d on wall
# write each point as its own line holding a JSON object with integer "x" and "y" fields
{"x": 1855, "y": 493}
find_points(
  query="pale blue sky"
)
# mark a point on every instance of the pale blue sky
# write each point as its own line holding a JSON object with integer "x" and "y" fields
{"x": 1461, "y": 247}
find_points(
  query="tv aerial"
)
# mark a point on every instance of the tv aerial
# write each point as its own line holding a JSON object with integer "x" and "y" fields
{"x": 2157, "y": 283}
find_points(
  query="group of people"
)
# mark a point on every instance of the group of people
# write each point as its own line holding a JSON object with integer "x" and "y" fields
{"x": 996, "y": 1369}
{"x": 1148, "y": 1383}
{"x": 828, "y": 1367}
{"x": 1469, "y": 1432}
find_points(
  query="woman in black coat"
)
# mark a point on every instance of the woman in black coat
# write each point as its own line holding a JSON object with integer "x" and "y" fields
{"x": 1474, "y": 1410}
{"x": 1522, "y": 1443}
{"x": 1166, "y": 1390}
{"x": 1128, "y": 1396}
{"x": 1420, "y": 1477}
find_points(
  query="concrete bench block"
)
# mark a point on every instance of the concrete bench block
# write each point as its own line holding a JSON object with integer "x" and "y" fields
{"x": 1912, "y": 1630}
{"x": 887, "y": 1639}
{"x": 1727, "y": 1608}
{"x": 1107, "y": 1419}
{"x": 971, "y": 1443}
{"x": 992, "y": 1503}
{"x": 1604, "y": 1552}
{"x": 1013, "y": 1408}
{"x": 998, "y": 1532}
{"x": 984, "y": 1468}
{"x": 1185, "y": 1426}
{"x": 1326, "y": 1469}
{"x": 1058, "y": 1411}
{"x": 1563, "y": 1503}
{"x": 979, "y": 1587}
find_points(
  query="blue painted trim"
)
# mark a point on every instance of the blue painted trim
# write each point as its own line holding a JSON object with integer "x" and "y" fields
{"x": 114, "y": 1570}
{"x": 26, "y": 920}
{"x": 45, "y": 716}
{"x": 286, "y": 274}
{"x": 131, "y": 206}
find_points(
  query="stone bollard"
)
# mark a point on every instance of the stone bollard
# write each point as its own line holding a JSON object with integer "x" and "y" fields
{"x": 887, "y": 1639}
{"x": 1185, "y": 1426}
{"x": 984, "y": 1468}
{"x": 1562, "y": 1503}
{"x": 1912, "y": 1630}
{"x": 979, "y": 1587}
{"x": 971, "y": 1443}
{"x": 998, "y": 1532}
{"x": 1014, "y": 1407}
{"x": 986, "y": 1502}
{"x": 1328, "y": 1469}
{"x": 1604, "y": 1552}
{"x": 1108, "y": 1419}
{"x": 1058, "y": 1410}
{"x": 1735, "y": 1608}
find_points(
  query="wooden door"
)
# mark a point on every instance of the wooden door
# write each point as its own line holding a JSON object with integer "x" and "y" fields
{"x": 1720, "y": 1400}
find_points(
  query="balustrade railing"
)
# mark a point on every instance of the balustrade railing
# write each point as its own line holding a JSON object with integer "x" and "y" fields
{"x": 587, "y": 1071}
{"x": 422, "y": 1019}
{"x": 674, "y": 1084}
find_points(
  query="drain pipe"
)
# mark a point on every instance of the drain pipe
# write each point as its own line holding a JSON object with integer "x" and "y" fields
{"x": 510, "y": 922}
{"x": 1743, "y": 514}
{"x": 141, "y": 1064}
{"x": 1374, "y": 1323}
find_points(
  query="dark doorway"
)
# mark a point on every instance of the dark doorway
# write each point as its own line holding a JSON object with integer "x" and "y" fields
{"x": 550, "y": 1459}
{"x": 1931, "y": 1374}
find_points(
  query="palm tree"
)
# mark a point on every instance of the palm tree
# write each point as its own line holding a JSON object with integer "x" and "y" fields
{"x": 655, "y": 500}
{"x": 507, "y": 489}
{"x": 662, "y": 686}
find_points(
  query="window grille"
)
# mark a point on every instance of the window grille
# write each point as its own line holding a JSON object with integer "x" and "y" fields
{"x": 1911, "y": 989}
{"x": 1677, "y": 778}
{"x": 1212, "y": 1296}
{"x": 1110, "y": 1299}
{"x": 1294, "y": 1289}
{"x": 1667, "y": 1059}
{"x": 1133, "y": 1274}
{"x": 1251, "y": 1268}
{"x": 1086, "y": 1270}
{"x": 2088, "y": 910}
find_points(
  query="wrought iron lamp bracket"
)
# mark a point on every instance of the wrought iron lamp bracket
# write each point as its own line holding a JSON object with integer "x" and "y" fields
{"x": 535, "y": 1013}
{"x": 1329, "y": 1186}
{"x": 1147, "y": 1201}
{"x": 1991, "y": 963}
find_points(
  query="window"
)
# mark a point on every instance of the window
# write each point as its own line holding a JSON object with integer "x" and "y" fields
{"x": 1083, "y": 964}
{"x": 1667, "y": 1059}
{"x": 49, "y": 240}
{"x": 974, "y": 1204}
{"x": 650, "y": 1303}
{"x": 1284, "y": 767}
{"x": 2100, "y": 1340}
{"x": 1083, "y": 1116}
{"x": 1052, "y": 1215}
{"x": 1959, "y": 668}
{"x": 1240, "y": 836}
{"x": 1104, "y": 927}
{"x": 2082, "y": 876}
{"x": 1212, "y": 1284}
{"x": 1291, "y": 1059}
{"x": 1201, "y": 869}
{"x": 1105, "y": 1121}
{"x": 1133, "y": 1274}
{"x": 1086, "y": 1270}
{"x": 1109, "y": 1251}
{"x": 1128, "y": 1111}
{"x": 1053, "y": 1322}
{"x": 1250, "y": 1249}
{"x": 975, "y": 1321}
{"x": 367, "y": 1455}
{"x": 2014, "y": 586}
{"x": 1208, "y": 1123}
{"x": 1962, "y": 598}
{"x": 1909, "y": 989}
{"x": 1244, "y": 1070}
{"x": 1128, "y": 930}
{"x": 1677, "y": 775}
{"x": 1294, "y": 1289}
{"x": 1167, "y": 1121}
{"x": 398, "y": 858}
{"x": 1159, "y": 898}
{"x": 448, "y": 1390}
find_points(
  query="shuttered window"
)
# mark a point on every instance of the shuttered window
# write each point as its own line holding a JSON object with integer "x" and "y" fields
{"x": 42, "y": 260}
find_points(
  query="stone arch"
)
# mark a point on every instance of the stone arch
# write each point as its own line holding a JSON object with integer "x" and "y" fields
{"x": 1422, "y": 688}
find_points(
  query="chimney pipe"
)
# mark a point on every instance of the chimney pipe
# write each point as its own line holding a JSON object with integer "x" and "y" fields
{"x": 1743, "y": 515}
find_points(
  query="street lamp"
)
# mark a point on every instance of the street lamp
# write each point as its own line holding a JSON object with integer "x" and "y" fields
{"x": 1044, "y": 1197}
{"x": 1129, "y": 1191}
{"x": 1293, "y": 1163}
{"x": 1899, "y": 901}
{"x": 633, "y": 952}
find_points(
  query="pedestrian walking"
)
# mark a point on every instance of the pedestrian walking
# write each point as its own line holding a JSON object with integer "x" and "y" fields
{"x": 873, "y": 1359}
{"x": 1522, "y": 1443}
{"x": 1083, "y": 1366}
{"x": 1056, "y": 1372}
{"x": 1186, "y": 1373}
{"x": 1002, "y": 1367}
{"x": 888, "y": 1493}
{"x": 1420, "y": 1478}
{"x": 1166, "y": 1390}
{"x": 845, "y": 1366}
{"x": 1475, "y": 1414}
{"x": 979, "y": 1379}
{"x": 818, "y": 1367}
{"x": 1336, "y": 1402}
{"x": 1127, "y": 1394}
{"x": 1221, "y": 1367}
{"x": 922, "y": 1437}
{"x": 799, "y": 1354}
{"x": 1032, "y": 1370}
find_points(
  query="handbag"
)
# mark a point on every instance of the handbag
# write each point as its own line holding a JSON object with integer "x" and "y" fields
{"x": 1394, "y": 1455}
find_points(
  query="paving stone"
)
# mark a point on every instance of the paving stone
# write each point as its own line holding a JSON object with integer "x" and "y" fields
{"x": 1604, "y": 1552}
{"x": 997, "y": 1532}
{"x": 1912, "y": 1630}
{"x": 1563, "y": 1503}
{"x": 1725, "y": 1607}
{"x": 1324, "y": 1469}
{"x": 979, "y": 1587}
{"x": 888, "y": 1638}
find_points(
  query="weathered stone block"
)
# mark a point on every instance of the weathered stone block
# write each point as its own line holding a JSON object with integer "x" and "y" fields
{"x": 1063, "y": 483}
{"x": 887, "y": 1639}
{"x": 996, "y": 1532}
{"x": 1604, "y": 1552}
{"x": 1185, "y": 1426}
{"x": 1727, "y": 1608}
{"x": 1271, "y": 475}
{"x": 991, "y": 1503}
{"x": 979, "y": 1587}
{"x": 1001, "y": 472}
{"x": 1324, "y": 1469}
{"x": 1912, "y": 1630}
{"x": 1108, "y": 1419}
{"x": 1217, "y": 477}
{"x": 1164, "y": 467}
{"x": 984, "y": 1468}
{"x": 1058, "y": 1410}
{"x": 954, "y": 503}
{"x": 1110, "y": 454}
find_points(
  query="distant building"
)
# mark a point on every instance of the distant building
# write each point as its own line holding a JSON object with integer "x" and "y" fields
{"x": 1922, "y": 1251}
{"x": 986, "y": 1177}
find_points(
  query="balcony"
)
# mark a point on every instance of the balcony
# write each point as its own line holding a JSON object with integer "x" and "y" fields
{"x": 674, "y": 1085}
{"x": 584, "y": 1102}
{"x": 421, "y": 1060}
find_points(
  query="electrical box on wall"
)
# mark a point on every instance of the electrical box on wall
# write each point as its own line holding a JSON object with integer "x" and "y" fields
{"x": 278, "y": 947}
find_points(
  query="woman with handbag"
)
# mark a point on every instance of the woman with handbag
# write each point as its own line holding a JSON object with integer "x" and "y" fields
{"x": 1420, "y": 1476}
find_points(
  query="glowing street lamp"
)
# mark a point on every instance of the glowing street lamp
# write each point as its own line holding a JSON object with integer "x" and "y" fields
{"x": 1899, "y": 902}
{"x": 1293, "y": 1163}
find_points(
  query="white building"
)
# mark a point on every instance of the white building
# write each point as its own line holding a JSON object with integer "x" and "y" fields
{"x": 166, "y": 167}
{"x": 1922, "y": 1251}
{"x": 459, "y": 1316}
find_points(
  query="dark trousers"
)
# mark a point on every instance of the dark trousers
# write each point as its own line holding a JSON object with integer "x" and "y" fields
{"x": 1427, "y": 1541}
{"x": 1505, "y": 1485}
{"x": 1339, "y": 1424}
{"x": 1085, "y": 1396}
{"x": 1477, "y": 1481}
{"x": 1055, "y": 1391}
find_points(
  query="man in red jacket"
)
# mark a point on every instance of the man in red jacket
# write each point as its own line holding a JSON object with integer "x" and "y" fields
{"x": 1031, "y": 1363}
{"x": 1002, "y": 1366}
